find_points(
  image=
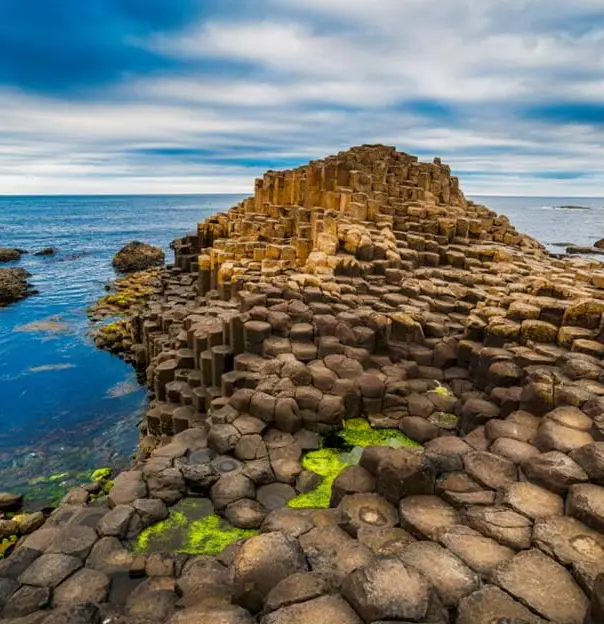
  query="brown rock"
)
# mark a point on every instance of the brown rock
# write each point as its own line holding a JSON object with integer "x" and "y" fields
{"x": 425, "y": 516}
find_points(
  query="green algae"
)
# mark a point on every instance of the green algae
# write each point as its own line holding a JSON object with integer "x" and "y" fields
{"x": 329, "y": 462}
{"x": 6, "y": 545}
{"x": 192, "y": 528}
{"x": 101, "y": 474}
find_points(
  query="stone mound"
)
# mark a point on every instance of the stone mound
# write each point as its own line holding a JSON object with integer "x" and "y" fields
{"x": 137, "y": 256}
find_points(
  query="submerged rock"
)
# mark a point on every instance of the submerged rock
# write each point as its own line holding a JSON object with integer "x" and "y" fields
{"x": 47, "y": 251}
{"x": 14, "y": 286}
{"x": 137, "y": 256}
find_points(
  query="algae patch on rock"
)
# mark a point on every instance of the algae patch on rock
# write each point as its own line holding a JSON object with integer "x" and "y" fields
{"x": 329, "y": 462}
{"x": 192, "y": 528}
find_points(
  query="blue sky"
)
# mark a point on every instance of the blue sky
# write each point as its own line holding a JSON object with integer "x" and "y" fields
{"x": 194, "y": 96}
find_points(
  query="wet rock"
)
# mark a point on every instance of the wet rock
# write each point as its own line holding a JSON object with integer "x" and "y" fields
{"x": 323, "y": 610}
{"x": 262, "y": 563}
{"x": 544, "y": 586}
{"x": 10, "y": 501}
{"x": 299, "y": 587}
{"x": 387, "y": 589}
{"x": 490, "y": 605}
{"x": 9, "y": 255}
{"x": 137, "y": 256}
{"x": 275, "y": 495}
{"x": 14, "y": 286}
{"x": 47, "y": 251}
{"x": 83, "y": 586}
{"x": 26, "y": 600}
{"x": 50, "y": 570}
{"x": 86, "y": 613}
{"x": 7, "y": 588}
{"x": 18, "y": 562}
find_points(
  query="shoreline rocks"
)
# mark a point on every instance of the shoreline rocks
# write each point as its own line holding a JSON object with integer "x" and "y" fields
{"x": 137, "y": 256}
{"x": 349, "y": 298}
{"x": 10, "y": 255}
{"x": 14, "y": 286}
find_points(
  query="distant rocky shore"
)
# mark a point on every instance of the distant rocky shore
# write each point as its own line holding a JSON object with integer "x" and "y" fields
{"x": 371, "y": 400}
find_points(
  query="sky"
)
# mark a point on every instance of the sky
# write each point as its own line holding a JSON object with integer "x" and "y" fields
{"x": 202, "y": 96}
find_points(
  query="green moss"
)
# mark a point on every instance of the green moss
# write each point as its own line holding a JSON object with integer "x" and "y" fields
{"x": 6, "y": 545}
{"x": 101, "y": 474}
{"x": 191, "y": 528}
{"x": 358, "y": 432}
{"x": 329, "y": 462}
{"x": 442, "y": 391}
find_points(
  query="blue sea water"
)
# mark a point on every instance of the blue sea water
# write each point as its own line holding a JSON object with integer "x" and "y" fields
{"x": 66, "y": 407}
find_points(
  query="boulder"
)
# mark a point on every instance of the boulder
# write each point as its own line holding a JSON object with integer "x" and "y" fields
{"x": 323, "y": 610}
{"x": 9, "y": 255}
{"x": 14, "y": 286}
{"x": 137, "y": 256}
{"x": 387, "y": 589}
{"x": 261, "y": 563}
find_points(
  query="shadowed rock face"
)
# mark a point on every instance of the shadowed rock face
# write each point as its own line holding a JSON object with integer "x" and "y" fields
{"x": 9, "y": 255}
{"x": 137, "y": 256}
{"x": 295, "y": 343}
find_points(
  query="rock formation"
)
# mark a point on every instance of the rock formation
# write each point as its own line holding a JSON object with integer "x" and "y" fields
{"x": 137, "y": 256}
{"x": 9, "y": 255}
{"x": 14, "y": 286}
{"x": 361, "y": 293}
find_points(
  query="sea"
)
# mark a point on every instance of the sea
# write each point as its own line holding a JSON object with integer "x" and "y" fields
{"x": 67, "y": 408}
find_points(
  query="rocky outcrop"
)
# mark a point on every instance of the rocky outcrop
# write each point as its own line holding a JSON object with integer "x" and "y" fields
{"x": 9, "y": 255}
{"x": 47, "y": 251}
{"x": 14, "y": 286}
{"x": 287, "y": 350}
{"x": 137, "y": 256}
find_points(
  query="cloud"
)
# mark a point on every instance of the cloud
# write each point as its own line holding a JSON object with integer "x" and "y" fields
{"x": 150, "y": 96}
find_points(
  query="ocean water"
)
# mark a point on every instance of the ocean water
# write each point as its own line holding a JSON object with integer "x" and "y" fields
{"x": 66, "y": 407}
{"x": 545, "y": 219}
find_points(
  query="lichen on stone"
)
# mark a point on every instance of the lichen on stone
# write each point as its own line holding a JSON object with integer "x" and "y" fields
{"x": 191, "y": 528}
{"x": 101, "y": 474}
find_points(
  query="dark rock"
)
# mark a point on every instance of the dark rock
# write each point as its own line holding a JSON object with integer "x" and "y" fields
{"x": 275, "y": 495}
{"x": 9, "y": 255}
{"x": 230, "y": 488}
{"x": 490, "y": 470}
{"x": 109, "y": 556}
{"x": 76, "y": 541}
{"x": 26, "y": 600}
{"x": 554, "y": 471}
{"x": 10, "y": 501}
{"x": 291, "y": 522}
{"x": 47, "y": 251}
{"x": 384, "y": 541}
{"x": 86, "y": 613}
{"x": 137, "y": 256}
{"x": 261, "y": 563}
{"x": 150, "y": 510}
{"x": 386, "y": 589}
{"x": 14, "y": 286}
{"x": 591, "y": 458}
{"x": 352, "y": 480}
{"x": 127, "y": 487}
{"x": 7, "y": 588}
{"x": 204, "y": 581}
{"x": 18, "y": 562}
{"x": 586, "y": 503}
{"x": 246, "y": 513}
{"x": 154, "y": 599}
{"x": 84, "y": 586}
{"x": 50, "y": 570}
